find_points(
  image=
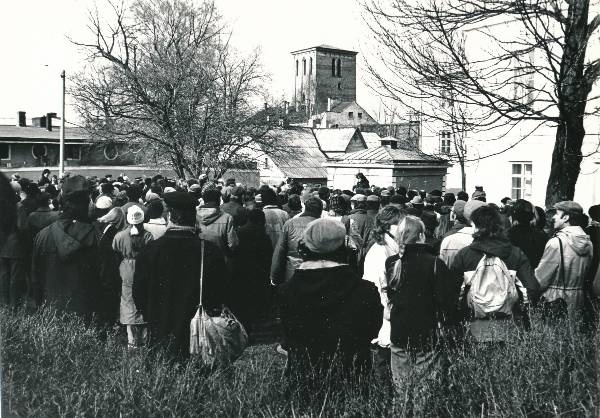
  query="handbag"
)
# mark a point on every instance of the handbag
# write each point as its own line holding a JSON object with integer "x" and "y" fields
{"x": 556, "y": 309}
{"x": 218, "y": 340}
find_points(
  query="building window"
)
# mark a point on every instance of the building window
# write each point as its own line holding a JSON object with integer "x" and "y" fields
{"x": 445, "y": 142}
{"x": 521, "y": 180}
{"x": 303, "y": 66}
{"x": 4, "y": 151}
{"x": 296, "y": 68}
{"x": 333, "y": 67}
{"x": 339, "y": 67}
{"x": 72, "y": 152}
{"x": 111, "y": 152}
{"x": 360, "y": 115}
{"x": 350, "y": 115}
{"x": 310, "y": 66}
{"x": 39, "y": 151}
{"x": 339, "y": 86}
{"x": 266, "y": 163}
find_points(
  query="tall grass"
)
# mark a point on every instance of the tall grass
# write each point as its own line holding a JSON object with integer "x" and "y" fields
{"x": 55, "y": 365}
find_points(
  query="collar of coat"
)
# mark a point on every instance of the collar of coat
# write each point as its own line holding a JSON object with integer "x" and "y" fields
{"x": 319, "y": 264}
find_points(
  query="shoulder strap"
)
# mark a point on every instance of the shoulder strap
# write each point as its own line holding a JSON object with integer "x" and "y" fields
{"x": 561, "y": 273}
{"x": 201, "y": 271}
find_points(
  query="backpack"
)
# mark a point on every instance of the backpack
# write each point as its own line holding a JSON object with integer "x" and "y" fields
{"x": 492, "y": 288}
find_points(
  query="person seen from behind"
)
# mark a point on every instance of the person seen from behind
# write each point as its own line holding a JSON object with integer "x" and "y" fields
{"x": 329, "y": 315}
{"x": 523, "y": 233}
{"x": 129, "y": 243}
{"x": 497, "y": 281}
{"x": 421, "y": 296}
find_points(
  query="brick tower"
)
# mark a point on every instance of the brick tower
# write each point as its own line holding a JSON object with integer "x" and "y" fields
{"x": 320, "y": 73}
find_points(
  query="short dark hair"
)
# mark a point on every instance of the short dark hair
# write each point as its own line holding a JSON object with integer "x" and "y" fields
{"x": 268, "y": 196}
{"x": 449, "y": 199}
{"x": 107, "y": 188}
{"x": 324, "y": 193}
{"x": 401, "y": 190}
{"x": 462, "y": 195}
{"x": 488, "y": 222}
{"x": 211, "y": 195}
{"x": 522, "y": 211}
{"x": 313, "y": 205}
{"x": 185, "y": 217}
{"x": 505, "y": 199}
{"x": 155, "y": 209}
{"x": 294, "y": 202}
{"x": 134, "y": 192}
{"x": 43, "y": 200}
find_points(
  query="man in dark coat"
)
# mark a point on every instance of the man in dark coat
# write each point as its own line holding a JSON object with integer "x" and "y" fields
{"x": 166, "y": 283}
{"x": 327, "y": 311}
{"x": 524, "y": 235}
{"x": 64, "y": 266}
{"x": 42, "y": 216}
{"x": 233, "y": 206}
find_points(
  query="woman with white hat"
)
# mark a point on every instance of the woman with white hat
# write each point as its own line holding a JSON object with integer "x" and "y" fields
{"x": 129, "y": 243}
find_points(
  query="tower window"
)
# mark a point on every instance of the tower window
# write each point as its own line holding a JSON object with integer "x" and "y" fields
{"x": 339, "y": 67}
{"x": 303, "y": 66}
{"x": 310, "y": 66}
{"x": 333, "y": 67}
{"x": 296, "y": 67}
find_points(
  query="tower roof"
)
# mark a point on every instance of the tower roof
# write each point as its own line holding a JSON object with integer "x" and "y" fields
{"x": 328, "y": 48}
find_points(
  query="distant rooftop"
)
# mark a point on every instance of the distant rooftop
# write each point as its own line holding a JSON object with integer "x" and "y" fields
{"x": 325, "y": 47}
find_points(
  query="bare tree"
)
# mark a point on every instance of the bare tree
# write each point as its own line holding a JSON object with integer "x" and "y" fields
{"x": 536, "y": 69}
{"x": 163, "y": 76}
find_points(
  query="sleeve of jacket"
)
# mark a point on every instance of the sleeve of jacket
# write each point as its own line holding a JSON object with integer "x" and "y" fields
{"x": 374, "y": 272}
{"x": 546, "y": 271}
{"x": 278, "y": 263}
{"x": 377, "y": 312}
{"x": 447, "y": 290}
{"x": 527, "y": 277}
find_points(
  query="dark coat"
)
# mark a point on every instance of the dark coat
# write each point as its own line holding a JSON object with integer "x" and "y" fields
{"x": 326, "y": 309}
{"x": 65, "y": 266}
{"x": 252, "y": 297}
{"x": 529, "y": 239}
{"x": 166, "y": 285}
{"x": 108, "y": 273}
{"x": 237, "y": 211}
{"x": 421, "y": 299}
{"x": 39, "y": 219}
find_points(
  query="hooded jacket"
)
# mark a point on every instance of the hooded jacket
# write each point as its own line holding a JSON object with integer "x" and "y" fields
{"x": 65, "y": 266}
{"x": 467, "y": 259}
{"x": 577, "y": 259}
{"x": 216, "y": 226}
{"x": 328, "y": 312}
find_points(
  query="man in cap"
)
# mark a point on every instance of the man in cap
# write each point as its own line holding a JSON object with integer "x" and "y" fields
{"x": 286, "y": 257}
{"x": 233, "y": 205}
{"x": 568, "y": 255}
{"x": 327, "y": 311}
{"x": 359, "y": 225}
{"x": 65, "y": 255}
{"x": 462, "y": 237}
{"x": 166, "y": 282}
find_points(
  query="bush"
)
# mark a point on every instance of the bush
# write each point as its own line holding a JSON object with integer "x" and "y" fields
{"x": 55, "y": 365}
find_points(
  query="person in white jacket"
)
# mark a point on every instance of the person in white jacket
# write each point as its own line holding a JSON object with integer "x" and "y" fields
{"x": 385, "y": 233}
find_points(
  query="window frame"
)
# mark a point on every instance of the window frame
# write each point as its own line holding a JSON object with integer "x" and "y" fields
{"x": 9, "y": 152}
{"x": 333, "y": 67}
{"x": 42, "y": 156}
{"x": 79, "y": 153}
{"x": 350, "y": 115}
{"x": 360, "y": 115}
{"x": 310, "y": 66}
{"x": 338, "y": 67}
{"x": 297, "y": 68}
{"x": 520, "y": 191}
{"x": 303, "y": 66}
{"x": 445, "y": 142}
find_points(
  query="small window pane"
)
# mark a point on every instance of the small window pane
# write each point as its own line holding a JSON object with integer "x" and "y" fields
{"x": 4, "y": 151}
{"x": 516, "y": 168}
{"x": 516, "y": 182}
{"x": 528, "y": 169}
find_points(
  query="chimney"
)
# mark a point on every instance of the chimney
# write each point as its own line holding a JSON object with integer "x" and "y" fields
{"x": 286, "y": 107}
{"x": 49, "y": 117}
{"x": 22, "y": 120}
{"x": 266, "y": 106}
{"x": 329, "y": 104}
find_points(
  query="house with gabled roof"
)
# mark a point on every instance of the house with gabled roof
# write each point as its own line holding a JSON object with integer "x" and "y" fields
{"x": 335, "y": 142}
{"x": 342, "y": 114}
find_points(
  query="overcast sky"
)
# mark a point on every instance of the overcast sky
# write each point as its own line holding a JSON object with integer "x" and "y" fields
{"x": 35, "y": 46}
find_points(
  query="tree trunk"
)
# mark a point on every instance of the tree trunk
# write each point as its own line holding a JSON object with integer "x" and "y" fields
{"x": 463, "y": 174}
{"x": 566, "y": 160}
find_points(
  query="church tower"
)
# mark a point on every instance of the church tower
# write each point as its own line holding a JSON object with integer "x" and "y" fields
{"x": 322, "y": 73}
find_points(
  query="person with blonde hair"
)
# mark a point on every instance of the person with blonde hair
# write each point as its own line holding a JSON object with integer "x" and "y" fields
{"x": 129, "y": 243}
{"x": 422, "y": 295}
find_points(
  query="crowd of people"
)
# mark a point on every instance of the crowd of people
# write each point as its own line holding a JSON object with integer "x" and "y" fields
{"x": 373, "y": 277}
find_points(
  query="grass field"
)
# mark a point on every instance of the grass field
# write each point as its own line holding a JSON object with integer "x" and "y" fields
{"x": 53, "y": 365}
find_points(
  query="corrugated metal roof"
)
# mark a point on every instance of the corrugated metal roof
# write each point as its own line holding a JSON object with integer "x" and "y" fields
{"x": 385, "y": 154}
{"x": 298, "y": 154}
{"x": 24, "y": 133}
{"x": 334, "y": 140}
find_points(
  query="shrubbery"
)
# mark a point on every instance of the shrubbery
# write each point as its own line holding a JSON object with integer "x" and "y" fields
{"x": 55, "y": 365}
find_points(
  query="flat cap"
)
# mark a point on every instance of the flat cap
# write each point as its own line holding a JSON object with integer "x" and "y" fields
{"x": 373, "y": 198}
{"x": 471, "y": 206}
{"x": 358, "y": 198}
{"x": 323, "y": 235}
{"x": 568, "y": 206}
{"x": 180, "y": 201}
{"x": 459, "y": 208}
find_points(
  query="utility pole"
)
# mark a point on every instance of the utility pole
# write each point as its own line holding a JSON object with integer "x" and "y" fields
{"x": 61, "y": 154}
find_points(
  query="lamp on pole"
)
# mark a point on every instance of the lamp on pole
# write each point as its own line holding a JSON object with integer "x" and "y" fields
{"x": 61, "y": 153}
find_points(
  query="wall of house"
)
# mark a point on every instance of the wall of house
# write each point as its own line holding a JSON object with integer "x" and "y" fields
{"x": 359, "y": 118}
{"x": 344, "y": 178}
